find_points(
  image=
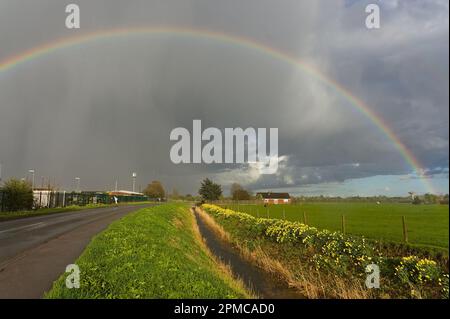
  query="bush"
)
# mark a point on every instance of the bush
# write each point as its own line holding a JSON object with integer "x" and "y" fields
{"x": 414, "y": 270}
{"x": 333, "y": 249}
{"x": 17, "y": 195}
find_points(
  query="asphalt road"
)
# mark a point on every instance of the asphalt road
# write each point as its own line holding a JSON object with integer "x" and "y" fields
{"x": 35, "y": 251}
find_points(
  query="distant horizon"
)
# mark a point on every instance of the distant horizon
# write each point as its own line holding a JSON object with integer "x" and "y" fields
{"x": 303, "y": 191}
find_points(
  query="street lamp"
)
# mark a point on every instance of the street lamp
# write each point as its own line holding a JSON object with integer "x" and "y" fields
{"x": 77, "y": 179}
{"x": 31, "y": 171}
{"x": 134, "y": 181}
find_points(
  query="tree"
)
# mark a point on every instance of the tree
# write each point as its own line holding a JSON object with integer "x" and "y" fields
{"x": 417, "y": 200}
{"x": 17, "y": 195}
{"x": 209, "y": 190}
{"x": 430, "y": 198}
{"x": 234, "y": 188}
{"x": 155, "y": 190}
{"x": 239, "y": 193}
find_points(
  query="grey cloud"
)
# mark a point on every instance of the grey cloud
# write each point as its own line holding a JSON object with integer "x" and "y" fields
{"x": 105, "y": 109}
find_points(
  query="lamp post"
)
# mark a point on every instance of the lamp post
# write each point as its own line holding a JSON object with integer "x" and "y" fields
{"x": 134, "y": 181}
{"x": 31, "y": 171}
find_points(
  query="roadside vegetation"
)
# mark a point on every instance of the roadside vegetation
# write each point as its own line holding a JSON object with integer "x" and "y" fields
{"x": 427, "y": 225}
{"x": 16, "y": 195}
{"x": 156, "y": 252}
{"x": 326, "y": 264}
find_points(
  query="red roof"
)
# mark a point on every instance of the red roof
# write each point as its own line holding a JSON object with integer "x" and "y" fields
{"x": 270, "y": 195}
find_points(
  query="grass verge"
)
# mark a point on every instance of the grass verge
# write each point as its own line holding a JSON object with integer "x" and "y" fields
{"x": 156, "y": 252}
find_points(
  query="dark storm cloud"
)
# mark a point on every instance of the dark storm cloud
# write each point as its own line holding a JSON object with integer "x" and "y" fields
{"x": 105, "y": 109}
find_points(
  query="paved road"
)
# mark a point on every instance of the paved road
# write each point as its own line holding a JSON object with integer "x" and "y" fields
{"x": 35, "y": 251}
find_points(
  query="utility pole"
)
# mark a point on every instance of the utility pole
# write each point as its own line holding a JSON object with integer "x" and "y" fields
{"x": 77, "y": 180}
{"x": 134, "y": 181}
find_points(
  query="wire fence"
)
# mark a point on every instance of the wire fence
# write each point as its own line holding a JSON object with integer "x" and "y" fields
{"x": 54, "y": 199}
{"x": 279, "y": 212}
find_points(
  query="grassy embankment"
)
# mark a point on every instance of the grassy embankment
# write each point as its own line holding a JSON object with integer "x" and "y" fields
{"x": 4, "y": 216}
{"x": 325, "y": 264}
{"x": 156, "y": 252}
{"x": 427, "y": 225}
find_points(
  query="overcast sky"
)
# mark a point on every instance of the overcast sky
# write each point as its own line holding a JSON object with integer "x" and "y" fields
{"x": 102, "y": 110}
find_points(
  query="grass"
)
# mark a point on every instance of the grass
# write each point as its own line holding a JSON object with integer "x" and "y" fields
{"x": 428, "y": 225}
{"x": 155, "y": 252}
{"x": 4, "y": 216}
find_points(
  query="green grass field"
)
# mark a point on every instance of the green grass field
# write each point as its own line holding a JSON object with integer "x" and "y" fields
{"x": 428, "y": 225}
{"x": 153, "y": 253}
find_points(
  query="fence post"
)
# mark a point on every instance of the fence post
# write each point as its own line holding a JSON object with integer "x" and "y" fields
{"x": 405, "y": 229}
{"x": 343, "y": 224}
{"x": 305, "y": 221}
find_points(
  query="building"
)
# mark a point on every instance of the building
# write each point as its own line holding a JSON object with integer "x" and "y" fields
{"x": 124, "y": 193}
{"x": 274, "y": 198}
{"x": 43, "y": 197}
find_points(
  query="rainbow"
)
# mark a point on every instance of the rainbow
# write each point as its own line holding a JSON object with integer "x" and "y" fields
{"x": 242, "y": 42}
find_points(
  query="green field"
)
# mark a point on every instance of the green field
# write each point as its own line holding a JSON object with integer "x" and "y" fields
{"x": 427, "y": 225}
{"x": 153, "y": 253}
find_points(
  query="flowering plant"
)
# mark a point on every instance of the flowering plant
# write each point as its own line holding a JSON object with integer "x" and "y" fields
{"x": 339, "y": 253}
